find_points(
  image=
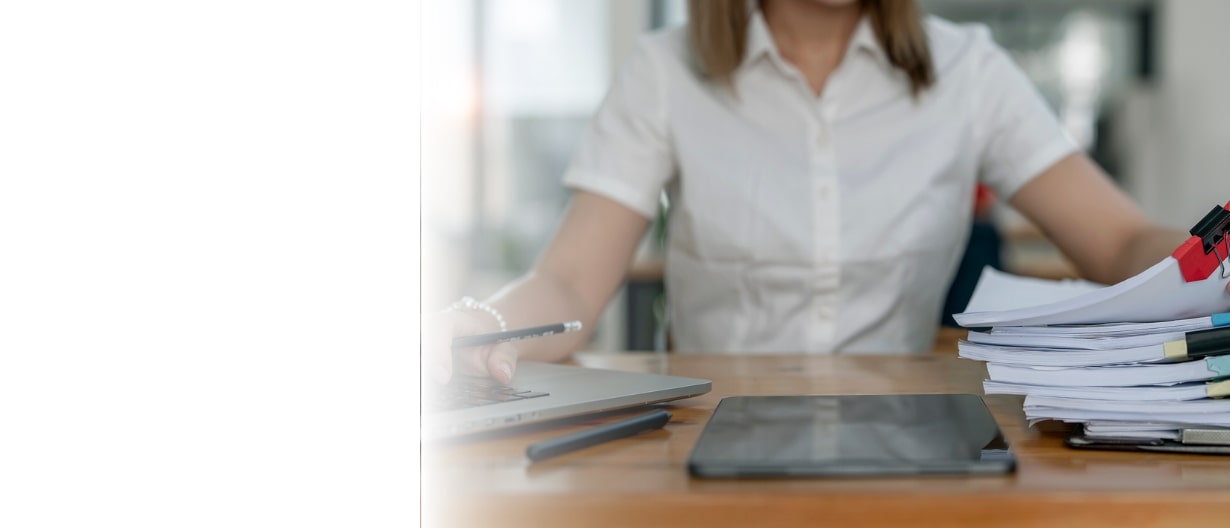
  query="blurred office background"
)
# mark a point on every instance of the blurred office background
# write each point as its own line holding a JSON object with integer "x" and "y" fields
{"x": 509, "y": 86}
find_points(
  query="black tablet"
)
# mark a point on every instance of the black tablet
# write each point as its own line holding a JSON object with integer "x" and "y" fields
{"x": 891, "y": 434}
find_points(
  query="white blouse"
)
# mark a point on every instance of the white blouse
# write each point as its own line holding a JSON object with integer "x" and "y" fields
{"x": 817, "y": 225}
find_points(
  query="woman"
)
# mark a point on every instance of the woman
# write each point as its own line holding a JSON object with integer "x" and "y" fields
{"x": 820, "y": 158}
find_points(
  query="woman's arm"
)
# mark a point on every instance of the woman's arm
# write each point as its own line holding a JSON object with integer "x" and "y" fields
{"x": 574, "y": 279}
{"x": 1093, "y": 222}
{"x": 576, "y": 276}
{"x": 626, "y": 156}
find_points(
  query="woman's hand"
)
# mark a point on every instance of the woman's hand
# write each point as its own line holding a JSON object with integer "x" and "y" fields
{"x": 498, "y": 361}
{"x": 578, "y": 274}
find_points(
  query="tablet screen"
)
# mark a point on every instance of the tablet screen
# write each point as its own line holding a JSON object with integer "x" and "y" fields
{"x": 850, "y": 435}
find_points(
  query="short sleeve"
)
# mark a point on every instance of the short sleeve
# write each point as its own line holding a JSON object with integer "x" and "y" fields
{"x": 626, "y": 154}
{"x": 1019, "y": 134}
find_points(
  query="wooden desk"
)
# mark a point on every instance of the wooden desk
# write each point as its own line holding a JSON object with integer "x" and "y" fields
{"x": 643, "y": 480}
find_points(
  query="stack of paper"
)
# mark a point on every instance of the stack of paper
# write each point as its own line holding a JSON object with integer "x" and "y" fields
{"x": 1142, "y": 359}
{"x": 1156, "y": 294}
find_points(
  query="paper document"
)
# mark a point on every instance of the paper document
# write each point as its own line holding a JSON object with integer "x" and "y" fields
{"x": 1060, "y": 357}
{"x": 1156, "y": 294}
{"x": 1107, "y": 427}
{"x": 1198, "y": 412}
{"x": 1173, "y": 434}
{"x": 1181, "y": 392}
{"x": 998, "y": 291}
{"x": 1142, "y": 430}
{"x": 1114, "y": 376}
{"x": 1192, "y": 324}
{"x": 1084, "y": 404}
{"x": 1078, "y": 343}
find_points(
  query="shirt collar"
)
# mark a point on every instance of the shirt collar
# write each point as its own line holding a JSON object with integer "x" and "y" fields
{"x": 865, "y": 40}
{"x": 760, "y": 40}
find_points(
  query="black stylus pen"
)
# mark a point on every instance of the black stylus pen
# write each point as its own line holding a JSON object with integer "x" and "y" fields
{"x": 515, "y": 335}
{"x": 597, "y": 435}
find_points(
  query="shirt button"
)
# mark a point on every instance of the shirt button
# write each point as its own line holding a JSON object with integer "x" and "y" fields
{"x": 827, "y": 110}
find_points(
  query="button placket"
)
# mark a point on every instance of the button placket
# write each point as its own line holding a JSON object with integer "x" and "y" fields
{"x": 825, "y": 224}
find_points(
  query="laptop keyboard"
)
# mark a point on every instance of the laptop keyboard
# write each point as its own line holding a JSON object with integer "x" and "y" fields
{"x": 469, "y": 391}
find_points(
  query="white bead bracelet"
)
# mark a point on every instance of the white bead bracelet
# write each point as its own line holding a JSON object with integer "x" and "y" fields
{"x": 469, "y": 303}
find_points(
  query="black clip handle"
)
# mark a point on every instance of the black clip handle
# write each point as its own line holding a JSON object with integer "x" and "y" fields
{"x": 1212, "y": 228}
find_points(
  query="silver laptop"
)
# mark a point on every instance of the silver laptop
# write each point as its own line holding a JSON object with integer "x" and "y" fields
{"x": 540, "y": 392}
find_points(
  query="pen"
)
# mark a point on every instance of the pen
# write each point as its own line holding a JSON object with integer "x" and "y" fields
{"x": 597, "y": 435}
{"x": 515, "y": 335}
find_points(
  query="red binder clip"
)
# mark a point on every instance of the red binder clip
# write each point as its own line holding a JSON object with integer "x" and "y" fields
{"x": 1208, "y": 246}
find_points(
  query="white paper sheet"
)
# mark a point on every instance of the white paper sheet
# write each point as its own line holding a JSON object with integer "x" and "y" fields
{"x": 1034, "y": 341}
{"x": 1038, "y": 414}
{"x": 1159, "y": 409}
{"x": 998, "y": 291}
{"x": 1113, "y": 376}
{"x": 1059, "y": 357}
{"x": 1117, "y": 329}
{"x": 1196, "y": 412}
{"x": 1181, "y": 392}
{"x": 1156, "y": 294}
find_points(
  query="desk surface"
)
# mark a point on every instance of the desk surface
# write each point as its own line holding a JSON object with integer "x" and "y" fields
{"x": 643, "y": 480}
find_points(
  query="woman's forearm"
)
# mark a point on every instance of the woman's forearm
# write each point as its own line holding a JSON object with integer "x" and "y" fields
{"x": 576, "y": 277}
{"x": 537, "y": 299}
{"x": 1145, "y": 249}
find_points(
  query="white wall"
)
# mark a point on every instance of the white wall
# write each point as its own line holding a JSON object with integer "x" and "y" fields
{"x": 628, "y": 21}
{"x": 1183, "y": 154}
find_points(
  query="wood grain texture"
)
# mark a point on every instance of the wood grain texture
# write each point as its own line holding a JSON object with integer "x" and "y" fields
{"x": 643, "y": 480}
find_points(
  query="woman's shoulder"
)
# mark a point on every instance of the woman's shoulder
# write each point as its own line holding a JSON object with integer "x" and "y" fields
{"x": 658, "y": 56}
{"x": 670, "y": 43}
{"x": 955, "y": 45}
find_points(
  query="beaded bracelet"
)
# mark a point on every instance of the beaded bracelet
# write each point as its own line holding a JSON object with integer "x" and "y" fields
{"x": 469, "y": 303}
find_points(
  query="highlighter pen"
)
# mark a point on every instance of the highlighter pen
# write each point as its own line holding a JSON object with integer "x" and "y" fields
{"x": 515, "y": 335}
{"x": 597, "y": 435}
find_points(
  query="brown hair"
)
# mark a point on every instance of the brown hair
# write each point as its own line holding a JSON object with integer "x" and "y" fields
{"x": 718, "y": 33}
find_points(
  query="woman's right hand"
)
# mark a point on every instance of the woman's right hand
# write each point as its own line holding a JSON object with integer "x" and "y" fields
{"x": 579, "y": 272}
{"x": 497, "y": 361}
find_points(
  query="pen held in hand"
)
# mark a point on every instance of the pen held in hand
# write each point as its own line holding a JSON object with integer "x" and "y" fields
{"x": 597, "y": 435}
{"x": 515, "y": 335}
